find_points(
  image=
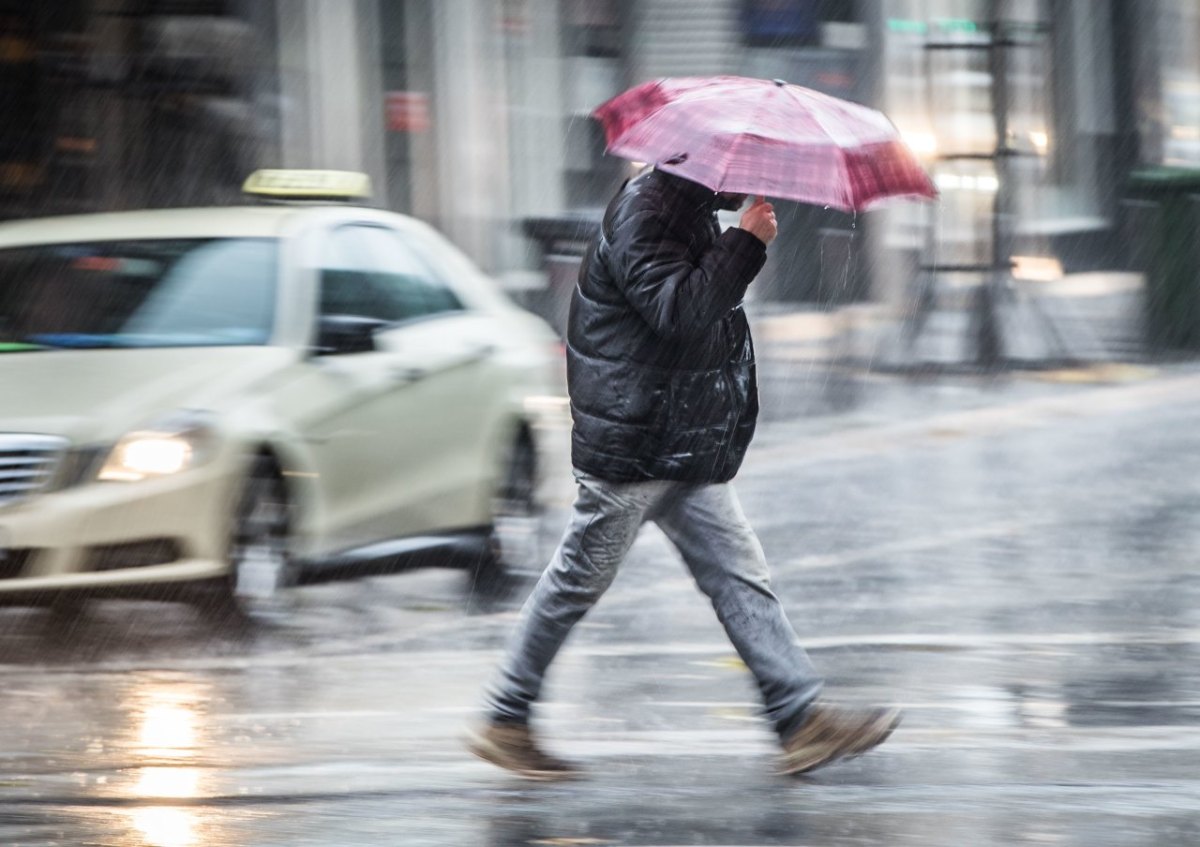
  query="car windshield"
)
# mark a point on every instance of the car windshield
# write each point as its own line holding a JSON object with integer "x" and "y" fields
{"x": 152, "y": 293}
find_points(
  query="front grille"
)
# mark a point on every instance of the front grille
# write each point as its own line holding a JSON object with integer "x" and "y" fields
{"x": 132, "y": 554}
{"x": 12, "y": 562}
{"x": 27, "y": 463}
{"x": 79, "y": 465}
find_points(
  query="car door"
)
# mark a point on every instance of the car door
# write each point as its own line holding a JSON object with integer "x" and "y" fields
{"x": 345, "y": 405}
{"x": 443, "y": 355}
{"x": 392, "y": 434}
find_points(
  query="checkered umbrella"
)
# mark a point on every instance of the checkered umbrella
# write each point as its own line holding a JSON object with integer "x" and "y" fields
{"x": 755, "y": 136}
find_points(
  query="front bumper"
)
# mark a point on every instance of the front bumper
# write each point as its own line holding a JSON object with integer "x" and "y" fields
{"x": 111, "y": 536}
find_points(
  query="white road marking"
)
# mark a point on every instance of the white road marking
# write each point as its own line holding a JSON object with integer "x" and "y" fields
{"x": 916, "y": 544}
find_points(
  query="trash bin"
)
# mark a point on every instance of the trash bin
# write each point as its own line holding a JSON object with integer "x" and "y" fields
{"x": 563, "y": 240}
{"x": 1163, "y": 206}
{"x": 816, "y": 259}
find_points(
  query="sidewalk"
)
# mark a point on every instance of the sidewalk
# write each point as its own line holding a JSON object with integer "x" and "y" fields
{"x": 1078, "y": 320}
{"x": 895, "y": 414}
{"x": 848, "y": 367}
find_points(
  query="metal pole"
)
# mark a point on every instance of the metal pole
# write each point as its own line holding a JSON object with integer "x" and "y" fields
{"x": 989, "y": 340}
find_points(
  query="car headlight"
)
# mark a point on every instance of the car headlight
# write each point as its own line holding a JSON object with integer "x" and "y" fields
{"x": 166, "y": 446}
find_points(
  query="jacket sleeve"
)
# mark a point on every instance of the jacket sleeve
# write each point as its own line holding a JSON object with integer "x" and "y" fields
{"x": 678, "y": 296}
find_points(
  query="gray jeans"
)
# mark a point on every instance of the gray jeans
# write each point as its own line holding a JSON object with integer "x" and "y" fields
{"x": 706, "y": 524}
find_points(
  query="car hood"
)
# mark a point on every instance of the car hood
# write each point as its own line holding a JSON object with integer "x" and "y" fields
{"x": 97, "y": 395}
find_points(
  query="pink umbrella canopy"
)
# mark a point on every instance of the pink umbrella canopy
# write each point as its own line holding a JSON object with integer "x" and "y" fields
{"x": 756, "y": 136}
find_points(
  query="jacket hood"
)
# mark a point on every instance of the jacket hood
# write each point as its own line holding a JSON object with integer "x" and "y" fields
{"x": 688, "y": 191}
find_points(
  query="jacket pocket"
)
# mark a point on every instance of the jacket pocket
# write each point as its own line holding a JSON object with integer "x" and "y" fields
{"x": 701, "y": 400}
{"x": 624, "y": 392}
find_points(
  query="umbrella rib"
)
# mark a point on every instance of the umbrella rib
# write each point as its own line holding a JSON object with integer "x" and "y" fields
{"x": 742, "y": 135}
{"x": 837, "y": 133}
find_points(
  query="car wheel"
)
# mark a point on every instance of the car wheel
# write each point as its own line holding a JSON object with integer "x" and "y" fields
{"x": 515, "y": 540}
{"x": 262, "y": 572}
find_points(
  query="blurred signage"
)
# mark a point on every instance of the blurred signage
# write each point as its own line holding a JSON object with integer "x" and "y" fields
{"x": 514, "y": 17}
{"x": 769, "y": 22}
{"x": 407, "y": 111}
{"x": 301, "y": 184}
{"x": 918, "y": 27}
{"x": 907, "y": 25}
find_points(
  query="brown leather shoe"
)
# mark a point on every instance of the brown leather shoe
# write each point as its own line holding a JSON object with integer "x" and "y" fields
{"x": 829, "y": 734}
{"x": 513, "y": 747}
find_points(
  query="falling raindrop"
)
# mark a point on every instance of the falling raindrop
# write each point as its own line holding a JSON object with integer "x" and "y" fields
{"x": 173, "y": 103}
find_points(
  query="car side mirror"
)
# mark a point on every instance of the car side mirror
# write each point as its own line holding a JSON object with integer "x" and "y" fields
{"x": 339, "y": 335}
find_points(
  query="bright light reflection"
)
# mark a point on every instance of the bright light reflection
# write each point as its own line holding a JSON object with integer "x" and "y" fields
{"x": 167, "y": 727}
{"x": 159, "y": 783}
{"x": 987, "y": 184}
{"x": 1040, "y": 141}
{"x": 924, "y": 144}
{"x": 1037, "y": 268}
{"x": 164, "y": 827}
{"x": 168, "y": 731}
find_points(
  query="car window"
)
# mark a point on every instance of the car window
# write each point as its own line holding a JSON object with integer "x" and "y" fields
{"x": 151, "y": 293}
{"x": 222, "y": 284}
{"x": 446, "y": 260}
{"x": 348, "y": 285}
{"x": 367, "y": 271}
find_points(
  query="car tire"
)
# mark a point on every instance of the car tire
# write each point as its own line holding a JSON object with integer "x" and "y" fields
{"x": 260, "y": 585}
{"x": 515, "y": 535}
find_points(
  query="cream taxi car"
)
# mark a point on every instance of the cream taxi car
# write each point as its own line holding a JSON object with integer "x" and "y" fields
{"x": 243, "y": 400}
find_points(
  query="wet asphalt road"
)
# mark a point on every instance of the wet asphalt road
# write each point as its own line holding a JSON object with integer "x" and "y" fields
{"x": 1015, "y": 564}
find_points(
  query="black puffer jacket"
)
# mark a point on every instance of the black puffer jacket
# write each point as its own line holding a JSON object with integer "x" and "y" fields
{"x": 660, "y": 364}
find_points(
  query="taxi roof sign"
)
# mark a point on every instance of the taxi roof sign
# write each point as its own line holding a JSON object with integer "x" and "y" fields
{"x": 308, "y": 185}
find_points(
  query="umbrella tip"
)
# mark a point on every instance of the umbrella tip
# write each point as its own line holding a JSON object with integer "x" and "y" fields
{"x": 781, "y": 83}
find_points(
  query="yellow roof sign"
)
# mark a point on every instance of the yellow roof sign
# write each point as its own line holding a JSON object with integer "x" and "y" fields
{"x": 308, "y": 185}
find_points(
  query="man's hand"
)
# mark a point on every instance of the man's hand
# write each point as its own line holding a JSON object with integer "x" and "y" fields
{"x": 759, "y": 220}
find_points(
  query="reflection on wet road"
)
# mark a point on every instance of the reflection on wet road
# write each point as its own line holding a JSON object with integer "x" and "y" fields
{"x": 1021, "y": 578}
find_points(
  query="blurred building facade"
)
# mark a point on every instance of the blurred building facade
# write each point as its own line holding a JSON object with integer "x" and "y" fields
{"x": 122, "y": 104}
{"x": 473, "y": 114}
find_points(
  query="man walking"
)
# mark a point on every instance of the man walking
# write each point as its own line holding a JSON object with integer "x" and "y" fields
{"x": 664, "y": 399}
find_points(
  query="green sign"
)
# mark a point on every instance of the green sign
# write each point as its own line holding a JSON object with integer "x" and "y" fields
{"x": 956, "y": 24}
{"x": 916, "y": 27}
{"x": 906, "y": 25}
